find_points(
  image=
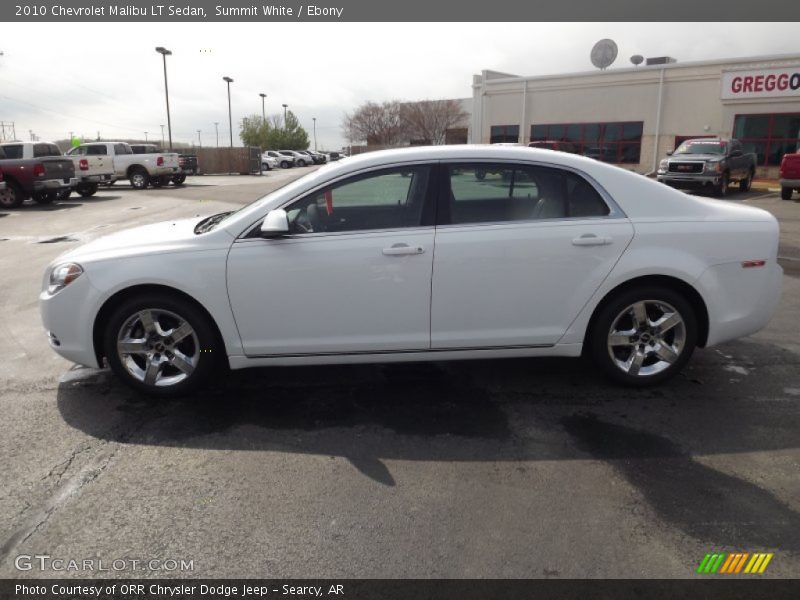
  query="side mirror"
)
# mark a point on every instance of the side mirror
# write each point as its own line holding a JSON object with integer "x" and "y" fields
{"x": 275, "y": 224}
{"x": 669, "y": 153}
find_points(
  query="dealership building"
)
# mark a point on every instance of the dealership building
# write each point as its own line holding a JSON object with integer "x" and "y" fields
{"x": 633, "y": 116}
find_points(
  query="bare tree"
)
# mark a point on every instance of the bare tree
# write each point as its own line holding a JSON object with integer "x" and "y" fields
{"x": 429, "y": 120}
{"x": 377, "y": 124}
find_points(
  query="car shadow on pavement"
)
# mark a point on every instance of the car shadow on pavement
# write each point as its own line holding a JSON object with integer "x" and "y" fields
{"x": 739, "y": 398}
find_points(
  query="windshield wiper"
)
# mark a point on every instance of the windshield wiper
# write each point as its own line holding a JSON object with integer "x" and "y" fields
{"x": 209, "y": 223}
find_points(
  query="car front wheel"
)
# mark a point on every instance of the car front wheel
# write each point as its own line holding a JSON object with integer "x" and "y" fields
{"x": 161, "y": 345}
{"x": 644, "y": 336}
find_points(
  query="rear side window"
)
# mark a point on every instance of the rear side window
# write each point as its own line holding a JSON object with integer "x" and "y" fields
{"x": 13, "y": 151}
{"x": 40, "y": 150}
{"x": 122, "y": 149}
{"x": 497, "y": 193}
{"x": 96, "y": 150}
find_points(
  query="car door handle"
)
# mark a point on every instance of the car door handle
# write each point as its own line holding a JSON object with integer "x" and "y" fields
{"x": 590, "y": 239}
{"x": 402, "y": 250}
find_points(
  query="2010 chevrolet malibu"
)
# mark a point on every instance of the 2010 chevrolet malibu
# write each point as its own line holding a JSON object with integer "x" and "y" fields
{"x": 435, "y": 253}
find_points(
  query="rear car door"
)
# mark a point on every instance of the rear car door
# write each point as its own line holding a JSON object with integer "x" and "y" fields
{"x": 520, "y": 249}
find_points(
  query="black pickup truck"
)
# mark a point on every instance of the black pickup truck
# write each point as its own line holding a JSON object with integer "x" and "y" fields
{"x": 708, "y": 162}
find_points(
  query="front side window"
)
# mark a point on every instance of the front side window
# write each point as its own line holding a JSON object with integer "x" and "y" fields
{"x": 388, "y": 199}
{"x": 96, "y": 150}
{"x": 496, "y": 193}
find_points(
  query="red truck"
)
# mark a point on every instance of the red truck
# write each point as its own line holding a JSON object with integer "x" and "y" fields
{"x": 44, "y": 179}
{"x": 790, "y": 175}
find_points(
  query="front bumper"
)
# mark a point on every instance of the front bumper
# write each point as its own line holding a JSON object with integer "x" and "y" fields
{"x": 689, "y": 181}
{"x": 47, "y": 185}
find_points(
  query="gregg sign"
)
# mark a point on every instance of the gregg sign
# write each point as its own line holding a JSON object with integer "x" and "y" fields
{"x": 763, "y": 83}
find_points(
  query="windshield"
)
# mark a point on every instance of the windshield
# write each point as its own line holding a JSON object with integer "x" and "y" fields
{"x": 701, "y": 148}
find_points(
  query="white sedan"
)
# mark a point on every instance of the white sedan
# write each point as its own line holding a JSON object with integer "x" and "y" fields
{"x": 437, "y": 253}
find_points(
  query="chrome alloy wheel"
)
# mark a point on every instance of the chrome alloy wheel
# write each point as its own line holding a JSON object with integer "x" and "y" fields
{"x": 646, "y": 338}
{"x": 158, "y": 347}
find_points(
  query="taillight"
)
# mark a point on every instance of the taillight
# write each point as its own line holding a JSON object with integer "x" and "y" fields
{"x": 83, "y": 164}
{"x": 38, "y": 170}
{"x": 751, "y": 264}
{"x": 160, "y": 161}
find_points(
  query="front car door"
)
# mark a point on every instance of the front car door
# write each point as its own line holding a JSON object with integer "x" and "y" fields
{"x": 353, "y": 276}
{"x": 520, "y": 249}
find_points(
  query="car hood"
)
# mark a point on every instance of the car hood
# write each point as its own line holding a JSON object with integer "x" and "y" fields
{"x": 158, "y": 238}
{"x": 697, "y": 157}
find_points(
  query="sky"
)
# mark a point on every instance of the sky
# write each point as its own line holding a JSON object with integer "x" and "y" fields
{"x": 57, "y": 78}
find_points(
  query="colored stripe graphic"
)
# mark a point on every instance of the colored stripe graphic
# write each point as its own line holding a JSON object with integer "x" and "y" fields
{"x": 734, "y": 563}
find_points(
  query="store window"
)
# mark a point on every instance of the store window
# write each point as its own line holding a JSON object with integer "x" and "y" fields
{"x": 504, "y": 134}
{"x": 619, "y": 142}
{"x": 768, "y": 136}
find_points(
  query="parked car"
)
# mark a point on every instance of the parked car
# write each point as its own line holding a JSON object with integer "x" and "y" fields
{"x": 284, "y": 160}
{"x": 45, "y": 178}
{"x": 139, "y": 169}
{"x": 708, "y": 162}
{"x": 300, "y": 160}
{"x": 789, "y": 175}
{"x": 176, "y": 178}
{"x": 268, "y": 162}
{"x": 89, "y": 170}
{"x": 334, "y": 156}
{"x": 578, "y": 256}
{"x": 555, "y": 145}
{"x": 315, "y": 157}
{"x": 188, "y": 163}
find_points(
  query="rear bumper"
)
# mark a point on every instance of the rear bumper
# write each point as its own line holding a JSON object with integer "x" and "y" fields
{"x": 102, "y": 178}
{"x": 54, "y": 184}
{"x": 790, "y": 183}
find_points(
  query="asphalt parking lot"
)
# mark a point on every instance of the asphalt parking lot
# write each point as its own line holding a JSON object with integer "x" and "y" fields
{"x": 513, "y": 468}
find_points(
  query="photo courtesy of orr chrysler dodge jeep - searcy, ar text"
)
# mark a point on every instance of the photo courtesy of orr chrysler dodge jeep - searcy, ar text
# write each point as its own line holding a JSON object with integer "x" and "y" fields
{"x": 436, "y": 253}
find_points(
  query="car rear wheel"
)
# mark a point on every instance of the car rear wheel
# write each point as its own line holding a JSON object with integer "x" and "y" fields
{"x": 786, "y": 193}
{"x": 179, "y": 179}
{"x": 301, "y": 163}
{"x": 139, "y": 179}
{"x": 161, "y": 345}
{"x": 87, "y": 189}
{"x": 12, "y": 196}
{"x": 644, "y": 336}
{"x": 44, "y": 197}
{"x": 285, "y": 164}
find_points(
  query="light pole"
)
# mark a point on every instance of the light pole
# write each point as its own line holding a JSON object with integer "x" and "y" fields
{"x": 145, "y": 137}
{"x": 315, "y": 132}
{"x": 216, "y": 131}
{"x": 164, "y": 53}
{"x": 285, "y": 106}
{"x": 263, "y": 112}
{"x": 230, "y": 118}
{"x": 162, "y": 136}
{"x": 199, "y": 141}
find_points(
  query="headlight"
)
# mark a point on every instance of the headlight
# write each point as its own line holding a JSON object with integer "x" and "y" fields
{"x": 663, "y": 165}
{"x": 62, "y": 276}
{"x": 713, "y": 167}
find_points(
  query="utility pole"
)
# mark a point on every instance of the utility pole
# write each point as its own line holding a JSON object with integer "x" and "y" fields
{"x": 31, "y": 132}
{"x": 164, "y": 53}
{"x": 315, "y": 132}
{"x": 216, "y": 131}
{"x": 145, "y": 137}
{"x": 162, "y": 136}
{"x": 199, "y": 141}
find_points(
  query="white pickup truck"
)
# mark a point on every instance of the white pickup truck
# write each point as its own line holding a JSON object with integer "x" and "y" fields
{"x": 89, "y": 170}
{"x": 139, "y": 169}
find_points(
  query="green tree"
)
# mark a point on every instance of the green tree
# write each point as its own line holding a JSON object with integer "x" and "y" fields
{"x": 288, "y": 134}
{"x": 255, "y": 132}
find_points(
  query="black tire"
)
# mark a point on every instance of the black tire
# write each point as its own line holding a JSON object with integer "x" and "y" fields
{"x": 786, "y": 193}
{"x": 45, "y": 197}
{"x": 301, "y": 163}
{"x": 202, "y": 345}
{"x": 721, "y": 190}
{"x": 179, "y": 179}
{"x": 85, "y": 190}
{"x": 681, "y": 339}
{"x": 265, "y": 167}
{"x": 12, "y": 196}
{"x": 285, "y": 164}
{"x": 746, "y": 183}
{"x": 139, "y": 179}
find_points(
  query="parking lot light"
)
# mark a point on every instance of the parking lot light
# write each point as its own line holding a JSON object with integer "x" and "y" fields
{"x": 230, "y": 118}
{"x": 263, "y": 112}
{"x": 164, "y": 53}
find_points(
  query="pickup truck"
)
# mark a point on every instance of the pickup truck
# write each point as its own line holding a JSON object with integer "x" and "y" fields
{"x": 139, "y": 169}
{"x": 708, "y": 162}
{"x": 177, "y": 178}
{"x": 89, "y": 170}
{"x": 790, "y": 175}
{"x": 44, "y": 178}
